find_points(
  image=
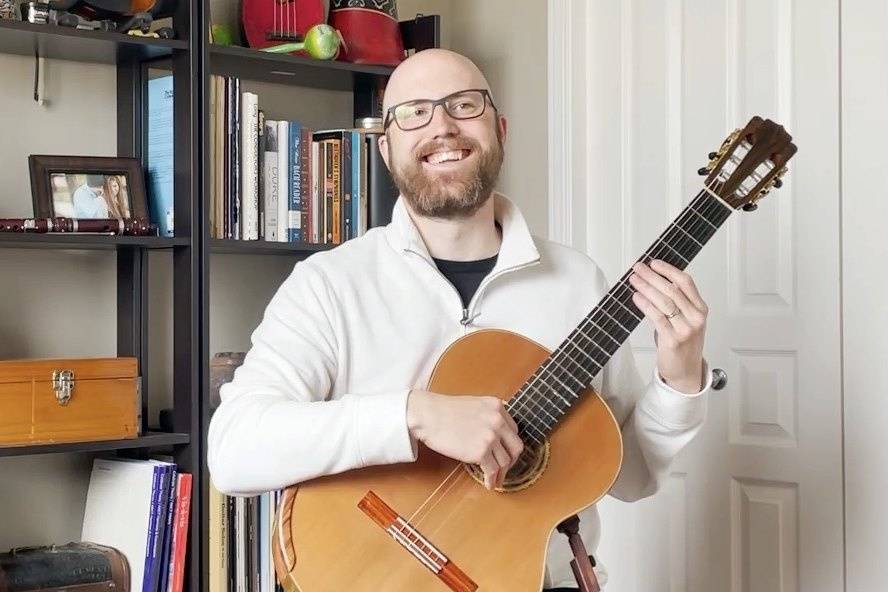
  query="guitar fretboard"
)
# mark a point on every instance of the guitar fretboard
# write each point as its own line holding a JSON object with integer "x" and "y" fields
{"x": 556, "y": 385}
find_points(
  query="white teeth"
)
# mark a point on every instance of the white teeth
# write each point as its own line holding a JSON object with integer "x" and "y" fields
{"x": 440, "y": 157}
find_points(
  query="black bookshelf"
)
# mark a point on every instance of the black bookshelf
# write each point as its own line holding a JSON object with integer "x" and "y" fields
{"x": 253, "y": 64}
{"x": 150, "y": 440}
{"x": 243, "y": 247}
{"x": 65, "y": 43}
{"x": 86, "y": 241}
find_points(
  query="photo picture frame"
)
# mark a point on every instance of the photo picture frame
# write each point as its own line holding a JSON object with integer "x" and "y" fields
{"x": 85, "y": 187}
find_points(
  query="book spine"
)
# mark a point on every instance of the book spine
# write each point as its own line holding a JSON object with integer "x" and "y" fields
{"x": 168, "y": 531}
{"x": 315, "y": 191}
{"x": 152, "y": 528}
{"x": 283, "y": 179}
{"x": 337, "y": 192}
{"x": 183, "y": 511}
{"x": 157, "y": 553}
{"x": 328, "y": 191}
{"x": 305, "y": 181}
{"x": 356, "y": 183}
{"x": 294, "y": 207}
{"x": 271, "y": 182}
{"x": 260, "y": 175}
{"x": 346, "y": 182}
{"x": 249, "y": 206}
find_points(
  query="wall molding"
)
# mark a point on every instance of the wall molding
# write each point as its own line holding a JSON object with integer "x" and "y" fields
{"x": 560, "y": 80}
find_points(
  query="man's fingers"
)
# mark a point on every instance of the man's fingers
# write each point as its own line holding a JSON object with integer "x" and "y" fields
{"x": 513, "y": 445}
{"x": 490, "y": 468}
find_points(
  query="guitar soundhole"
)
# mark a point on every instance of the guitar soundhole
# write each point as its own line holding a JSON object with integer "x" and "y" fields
{"x": 524, "y": 473}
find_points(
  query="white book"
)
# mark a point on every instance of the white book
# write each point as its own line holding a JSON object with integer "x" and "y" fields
{"x": 283, "y": 179}
{"x": 250, "y": 166}
{"x": 315, "y": 191}
{"x": 270, "y": 186}
{"x": 118, "y": 511}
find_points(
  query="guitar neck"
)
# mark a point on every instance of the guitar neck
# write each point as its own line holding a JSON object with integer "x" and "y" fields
{"x": 557, "y": 384}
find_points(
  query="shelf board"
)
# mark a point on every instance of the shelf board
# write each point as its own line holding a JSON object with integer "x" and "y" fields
{"x": 253, "y": 64}
{"x": 245, "y": 247}
{"x": 67, "y": 240}
{"x": 65, "y": 43}
{"x": 150, "y": 440}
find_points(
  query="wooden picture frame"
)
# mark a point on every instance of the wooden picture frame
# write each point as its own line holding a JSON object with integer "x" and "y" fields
{"x": 86, "y": 187}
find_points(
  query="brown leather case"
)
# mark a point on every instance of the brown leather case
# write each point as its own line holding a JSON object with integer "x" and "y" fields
{"x": 75, "y": 567}
{"x": 47, "y": 401}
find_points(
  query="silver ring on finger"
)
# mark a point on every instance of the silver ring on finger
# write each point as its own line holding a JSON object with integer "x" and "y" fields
{"x": 675, "y": 312}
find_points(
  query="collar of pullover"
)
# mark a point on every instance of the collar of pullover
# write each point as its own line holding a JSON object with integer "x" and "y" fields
{"x": 517, "y": 248}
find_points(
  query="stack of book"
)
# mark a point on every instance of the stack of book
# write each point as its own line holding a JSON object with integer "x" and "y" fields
{"x": 240, "y": 542}
{"x": 141, "y": 507}
{"x": 279, "y": 180}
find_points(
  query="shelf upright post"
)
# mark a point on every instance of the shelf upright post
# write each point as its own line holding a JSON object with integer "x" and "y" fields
{"x": 188, "y": 266}
{"x": 132, "y": 261}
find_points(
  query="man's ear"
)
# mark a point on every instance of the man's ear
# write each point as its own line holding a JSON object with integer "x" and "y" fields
{"x": 503, "y": 124}
{"x": 382, "y": 142}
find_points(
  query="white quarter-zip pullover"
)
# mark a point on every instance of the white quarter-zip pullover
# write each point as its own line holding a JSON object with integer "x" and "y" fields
{"x": 351, "y": 331}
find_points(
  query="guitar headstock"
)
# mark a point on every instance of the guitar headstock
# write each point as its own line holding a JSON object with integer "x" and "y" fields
{"x": 749, "y": 163}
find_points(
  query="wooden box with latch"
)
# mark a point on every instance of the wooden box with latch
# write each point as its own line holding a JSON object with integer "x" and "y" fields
{"x": 49, "y": 401}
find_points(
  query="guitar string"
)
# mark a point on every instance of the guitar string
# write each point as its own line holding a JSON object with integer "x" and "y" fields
{"x": 656, "y": 246}
{"x": 712, "y": 206}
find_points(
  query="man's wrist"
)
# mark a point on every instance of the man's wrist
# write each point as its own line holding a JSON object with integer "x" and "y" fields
{"x": 414, "y": 401}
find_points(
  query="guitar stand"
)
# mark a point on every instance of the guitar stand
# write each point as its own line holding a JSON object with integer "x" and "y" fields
{"x": 582, "y": 563}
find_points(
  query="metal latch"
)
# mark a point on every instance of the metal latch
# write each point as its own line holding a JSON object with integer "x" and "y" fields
{"x": 63, "y": 384}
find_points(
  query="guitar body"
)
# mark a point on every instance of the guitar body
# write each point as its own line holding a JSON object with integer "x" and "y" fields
{"x": 330, "y": 535}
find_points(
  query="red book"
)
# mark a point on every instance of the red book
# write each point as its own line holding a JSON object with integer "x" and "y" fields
{"x": 180, "y": 533}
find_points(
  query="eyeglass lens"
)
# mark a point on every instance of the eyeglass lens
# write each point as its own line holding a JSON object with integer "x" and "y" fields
{"x": 464, "y": 105}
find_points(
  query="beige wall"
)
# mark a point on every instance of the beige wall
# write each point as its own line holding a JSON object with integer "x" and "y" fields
{"x": 508, "y": 42}
{"x": 62, "y": 304}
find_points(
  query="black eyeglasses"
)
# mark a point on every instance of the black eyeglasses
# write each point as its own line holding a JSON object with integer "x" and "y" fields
{"x": 464, "y": 104}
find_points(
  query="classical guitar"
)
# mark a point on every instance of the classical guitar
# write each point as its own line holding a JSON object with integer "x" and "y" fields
{"x": 431, "y": 525}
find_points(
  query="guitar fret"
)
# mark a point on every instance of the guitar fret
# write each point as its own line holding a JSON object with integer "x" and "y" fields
{"x": 686, "y": 262}
{"x": 626, "y": 308}
{"x": 688, "y": 234}
{"x": 580, "y": 366}
{"x": 589, "y": 318}
{"x": 699, "y": 215}
{"x": 628, "y": 332}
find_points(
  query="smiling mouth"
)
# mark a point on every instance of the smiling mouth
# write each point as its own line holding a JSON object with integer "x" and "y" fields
{"x": 445, "y": 157}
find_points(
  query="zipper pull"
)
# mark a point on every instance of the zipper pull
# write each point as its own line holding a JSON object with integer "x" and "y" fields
{"x": 465, "y": 318}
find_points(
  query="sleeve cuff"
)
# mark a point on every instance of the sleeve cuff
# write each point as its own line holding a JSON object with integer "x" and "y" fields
{"x": 381, "y": 429}
{"x": 676, "y": 409}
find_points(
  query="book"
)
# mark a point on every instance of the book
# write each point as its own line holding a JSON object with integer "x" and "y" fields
{"x": 120, "y": 505}
{"x": 160, "y": 154}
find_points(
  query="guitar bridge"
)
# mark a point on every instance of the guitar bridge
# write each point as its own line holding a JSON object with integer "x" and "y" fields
{"x": 420, "y": 547}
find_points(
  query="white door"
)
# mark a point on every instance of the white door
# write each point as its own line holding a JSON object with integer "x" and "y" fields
{"x": 755, "y": 502}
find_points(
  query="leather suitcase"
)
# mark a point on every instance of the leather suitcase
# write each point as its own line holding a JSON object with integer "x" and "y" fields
{"x": 75, "y": 567}
{"x": 48, "y": 401}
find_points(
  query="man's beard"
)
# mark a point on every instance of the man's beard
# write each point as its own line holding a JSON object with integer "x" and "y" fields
{"x": 449, "y": 194}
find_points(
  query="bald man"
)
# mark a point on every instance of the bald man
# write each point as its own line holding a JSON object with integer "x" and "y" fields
{"x": 336, "y": 373}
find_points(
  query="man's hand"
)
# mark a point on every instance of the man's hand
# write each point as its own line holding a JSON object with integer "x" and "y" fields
{"x": 476, "y": 430}
{"x": 669, "y": 298}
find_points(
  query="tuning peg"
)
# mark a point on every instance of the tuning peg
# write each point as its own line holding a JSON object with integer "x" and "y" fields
{"x": 712, "y": 155}
{"x": 778, "y": 183}
{"x": 703, "y": 171}
{"x": 750, "y": 207}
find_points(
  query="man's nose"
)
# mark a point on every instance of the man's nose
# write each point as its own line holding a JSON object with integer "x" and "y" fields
{"x": 442, "y": 124}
